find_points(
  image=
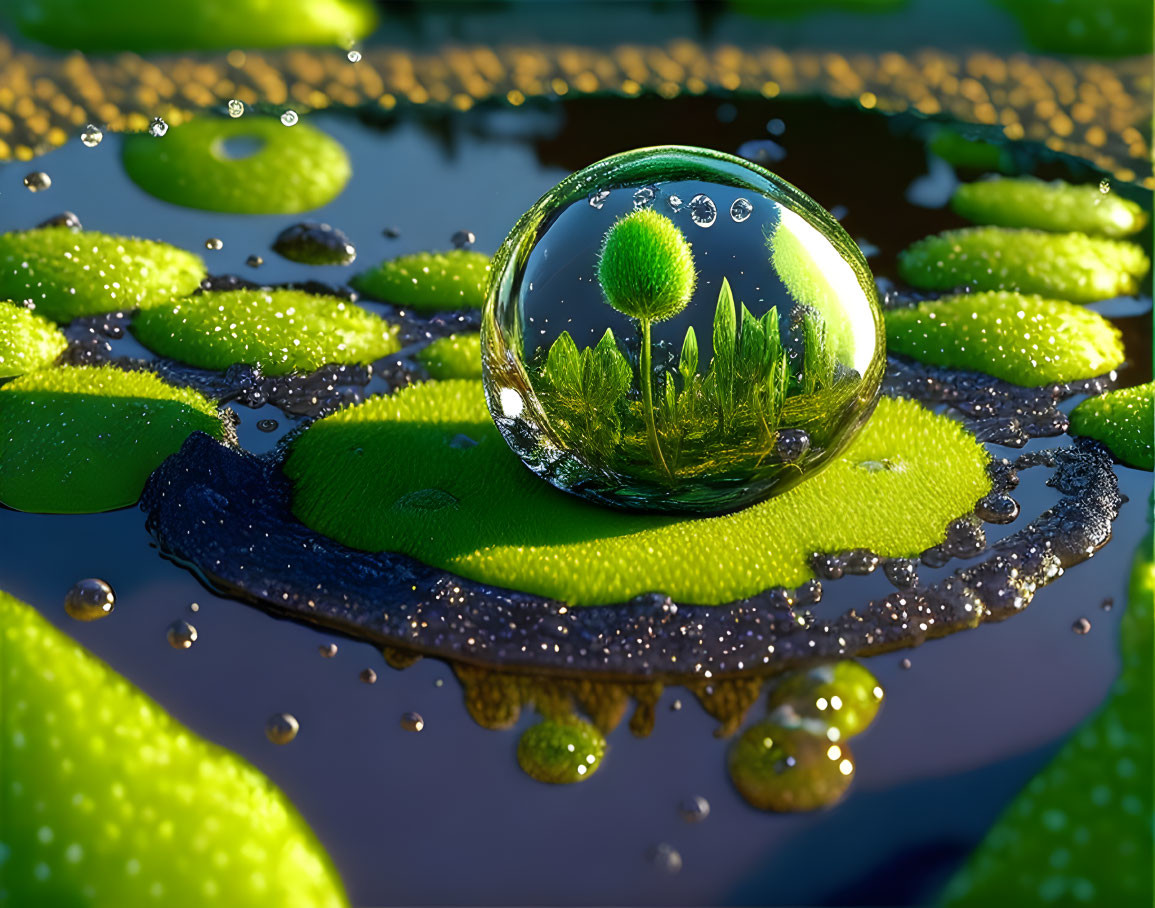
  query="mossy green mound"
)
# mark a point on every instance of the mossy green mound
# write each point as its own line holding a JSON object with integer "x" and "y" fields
{"x": 295, "y": 169}
{"x": 1056, "y": 206}
{"x": 109, "y": 801}
{"x": 456, "y": 356}
{"x": 789, "y": 769}
{"x": 1070, "y": 266}
{"x": 1023, "y": 339}
{"x": 842, "y": 696}
{"x": 1123, "y": 420}
{"x": 1080, "y": 832}
{"x": 27, "y": 341}
{"x": 281, "y": 331}
{"x": 391, "y": 474}
{"x": 975, "y": 154}
{"x": 147, "y": 26}
{"x": 561, "y": 752}
{"x": 427, "y": 281}
{"x": 67, "y": 274}
{"x": 80, "y": 439}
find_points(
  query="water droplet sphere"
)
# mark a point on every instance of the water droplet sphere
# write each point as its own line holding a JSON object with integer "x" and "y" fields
{"x": 690, "y": 356}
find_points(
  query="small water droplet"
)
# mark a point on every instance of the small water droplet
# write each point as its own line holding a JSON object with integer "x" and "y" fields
{"x": 281, "y": 728}
{"x": 695, "y": 809}
{"x": 463, "y": 239}
{"x": 214, "y": 244}
{"x": 89, "y": 600}
{"x": 289, "y": 118}
{"x": 675, "y": 202}
{"x": 666, "y": 858}
{"x": 254, "y": 261}
{"x": 368, "y": 676}
{"x": 676, "y": 706}
{"x": 703, "y": 211}
{"x": 412, "y": 722}
{"x": 439, "y": 683}
{"x": 1081, "y": 626}
{"x": 194, "y": 607}
{"x": 64, "y": 219}
{"x": 37, "y": 181}
{"x": 741, "y": 210}
{"x": 91, "y": 135}
{"x": 1104, "y": 186}
{"x": 315, "y": 243}
{"x": 157, "y": 127}
{"x": 268, "y": 425}
{"x": 353, "y": 56}
{"x": 327, "y": 650}
{"x": 181, "y": 634}
{"x": 598, "y": 199}
{"x": 236, "y": 108}
{"x": 1107, "y": 604}
{"x": 643, "y": 196}
{"x": 904, "y": 664}
{"x": 391, "y": 233}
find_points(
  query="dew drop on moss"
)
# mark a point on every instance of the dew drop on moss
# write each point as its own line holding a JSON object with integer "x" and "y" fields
{"x": 663, "y": 357}
{"x": 561, "y": 752}
{"x": 90, "y": 599}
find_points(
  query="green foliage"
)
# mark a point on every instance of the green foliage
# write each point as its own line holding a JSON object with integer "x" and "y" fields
{"x": 1080, "y": 832}
{"x": 1027, "y": 340}
{"x": 456, "y": 356}
{"x": 561, "y": 752}
{"x": 1124, "y": 420}
{"x": 842, "y": 696}
{"x": 511, "y": 529}
{"x": 1099, "y": 28}
{"x": 587, "y": 389}
{"x": 974, "y": 154}
{"x": 80, "y": 439}
{"x": 295, "y": 168}
{"x": 109, "y": 801}
{"x": 146, "y": 26}
{"x": 1055, "y": 206}
{"x": 27, "y": 341}
{"x": 428, "y": 281}
{"x": 646, "y": 267}
{"x": 67, "y": 274}
{"x": 1069, "y": 266}
{"x": 788, "y": 769}
{"x": 282, "y": 331}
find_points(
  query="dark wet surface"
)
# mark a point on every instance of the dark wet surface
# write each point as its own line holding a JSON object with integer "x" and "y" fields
{"x": 445, "y": 816}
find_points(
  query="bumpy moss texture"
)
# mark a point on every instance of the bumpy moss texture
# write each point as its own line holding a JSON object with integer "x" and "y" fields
{"x": 1055, "y": 206}
{"x": 295, "y": 168}
{"x": 80, "y": 439}
{"x": 1123, "y": 420}
{"x": 67, "y": 274}
{"x": 1023, "y": 339}
{"x": 561, "y": 752}
{"x": 1080, "y": 833}
{"x": 646, "y": 267}
{"x": 146, "y": 25}
{"x": 109, "y": 801}
{"x": 475, "y": 510}
{"x": 428, "y": 281}
{"x": 456, "y": 356}
{"x": 27, "y": 341}
{"x": 1070, "y": 266}
{"x": 280, "y": 330}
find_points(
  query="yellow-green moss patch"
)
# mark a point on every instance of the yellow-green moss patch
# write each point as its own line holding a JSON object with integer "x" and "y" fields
{"x": 1123, "y": 420}
{"x": 27, "y": 340}
{"x": 279, "y": 330}
{"x": 456, "y": 356}
{"x": 428, "y": 281}
{"x": 561, "y": 752}
{"x": 392, "y": 474}
{"x": 79, "y": 439}
{"x": 1055, "y": 206}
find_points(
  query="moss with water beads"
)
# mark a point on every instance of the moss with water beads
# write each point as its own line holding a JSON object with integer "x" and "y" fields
{"x": 109, "y": 801}
{"x": 1055, "y": 206}
{"x": 428, "y": 281}
{"x": 27, "y": 341}
{"x": 474, "y": 509}
{"x": 789, "y": 769}
{"x": 294, "y": 169}
{"x": 561, "y": 752}
{"x": 66, "y": 273}
{"x": 456, "y": 356}
{"x": 1124, "y": 420}
{"x": 841, "y": 695}
{"x": 80, "y": 439}
{"x": 279, "y": 330}
{"x": 1023, "y": 339}
{"x": 1069, "y": 266}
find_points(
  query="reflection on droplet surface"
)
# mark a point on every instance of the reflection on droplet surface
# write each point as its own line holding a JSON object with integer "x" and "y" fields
{"x": 37, "y": 181}
{"x": 1081, "y": 626}
{"x": 281, "y": 728}
{"x": 368, "y": 676}
{"x": 637, "y": 360}
{"x": 236, "y": 108}
{"x": 157, "y": 127}
{"x": 315, "y": 243}
{"x": 89, "y": 600}
{"x": 268, "y": 425}
{"x": 463, "y": 239}
{"x": 327, "y": 650}
{"x": 181, "y": 634}
{"x": 214, "y": 244}
{"x": 412, "y": 722}
{"x": 289, "y": 118}
{"x": 91, "y": 135}
{"x": 353, "y": 56}
{"x": 666, "y": 858}
{"x": 695, "y": 809}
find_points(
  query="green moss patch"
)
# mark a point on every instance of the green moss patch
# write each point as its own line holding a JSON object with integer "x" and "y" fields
{"x": 109, "y": 801}
{"x": 66, "y": 274}
{"x": 1123, "y": 420}
{"x": 391, "y": 474}
{"x": 1056, "y": 206}
{"x": 427, "y": 281}
{"x": 80, "y": 439}
{"x": 561, "y": 752}
{"x": 1023, "y": 339}
{"x": 295, "y": 169}
{"x": 281, "y": 331}
{"x": 456, "y": 356}
{"x": 1069, "y": 266}
{"x": 974, "y": 154}
{"x": 27, "y": 340}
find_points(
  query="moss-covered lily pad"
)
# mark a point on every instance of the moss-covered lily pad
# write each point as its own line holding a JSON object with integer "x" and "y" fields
{"x": 294, "y": 169}
{"x": 1055, "y": 206}
{"x": 1124, "y": 420}
{"x": 428, "y": 281}
{"x": 79, "y": 439}
{"x": 66, "y": 273}
{"x": 474, "y": 509}
{"x": 27, "y": 340}
{"x": 109, "y": 801}
{"x": 456, "y": 356}
{"x": 279, "y": 330}
{"x": 1023, "y": 339}
{"x": 1070, "y": 266}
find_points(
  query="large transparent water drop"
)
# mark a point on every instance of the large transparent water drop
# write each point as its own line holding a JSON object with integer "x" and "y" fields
{"x": 664, "y": 358}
